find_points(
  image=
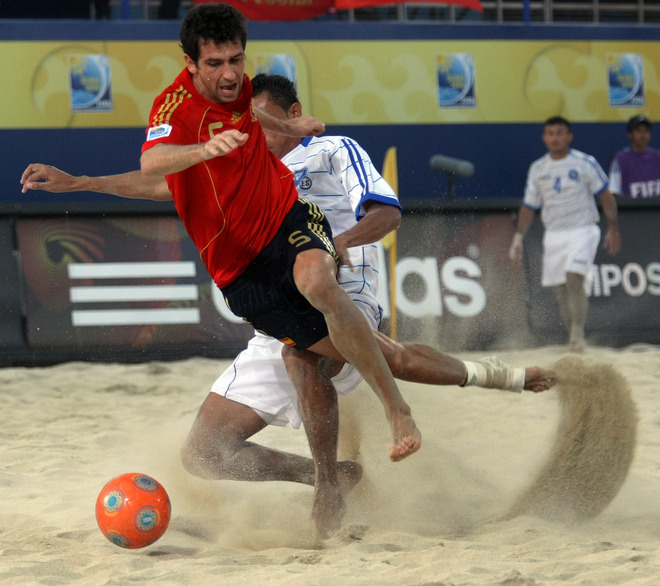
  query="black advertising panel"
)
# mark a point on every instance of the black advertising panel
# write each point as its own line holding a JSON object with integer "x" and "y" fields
{"x": 93, "y": 282}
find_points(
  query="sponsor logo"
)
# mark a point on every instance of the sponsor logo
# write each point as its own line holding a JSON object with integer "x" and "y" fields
{"x": 89, "y": 83}
{"x": 302, "y": 180}
{"x": 456, "y": 77}
{"x": 277, "y": 64}
{"x": 114, "y": 305}
{"x": 161, "y": 131}
{"x": 625, "y": 73}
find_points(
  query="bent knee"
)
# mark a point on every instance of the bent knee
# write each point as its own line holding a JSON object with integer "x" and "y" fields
{"x": 315, "y": 275}
{"x": 194, "y": 461}
{"x": 395, "y": 358}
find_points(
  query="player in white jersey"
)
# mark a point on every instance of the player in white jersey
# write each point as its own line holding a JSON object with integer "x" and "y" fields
{"x": 255, "y": 391}
{"x": 564, "y": 185}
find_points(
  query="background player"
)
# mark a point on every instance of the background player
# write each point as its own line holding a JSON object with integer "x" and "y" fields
{"x": 563, "y": 185}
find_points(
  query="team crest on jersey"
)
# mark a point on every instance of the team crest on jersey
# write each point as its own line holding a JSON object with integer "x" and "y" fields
{"x": 573, "y": 174}
{"x": 301, "y": 179}
{"x": 236, "y": 117}
{"x": 159, "y": 131}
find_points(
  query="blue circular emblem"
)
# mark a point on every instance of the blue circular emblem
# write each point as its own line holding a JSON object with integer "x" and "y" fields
{"x": 118, "y": 539}
{"x": 146, "y": 519}
{"x": 113, "y": 501}
{"x": 626, "y": 78}
{"x": 90, "y": 80}
{"x": 145, "y": 483}
{"x": 455, "y": 78}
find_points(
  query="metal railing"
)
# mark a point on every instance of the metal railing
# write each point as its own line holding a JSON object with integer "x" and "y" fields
{"x": 545, "y": 11}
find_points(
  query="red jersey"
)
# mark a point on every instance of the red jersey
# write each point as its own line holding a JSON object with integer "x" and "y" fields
{"x": 233, "y": 205}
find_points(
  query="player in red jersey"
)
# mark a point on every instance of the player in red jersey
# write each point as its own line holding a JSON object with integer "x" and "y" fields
{"x": 270, "y": 253}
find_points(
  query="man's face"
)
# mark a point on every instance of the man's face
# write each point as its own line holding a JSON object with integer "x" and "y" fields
{"x": 278, "y": 144}
{"x": 218, "y": 74}
{"x": 639, "y": 138}
{"x": 557, "y": 140}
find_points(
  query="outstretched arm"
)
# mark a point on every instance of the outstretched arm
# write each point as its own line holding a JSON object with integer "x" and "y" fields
{"x": 297, "y": 127}
{"x": 377, "y": 223}
{"x": 166, "y": 159}
{"x": 132, "y": 185}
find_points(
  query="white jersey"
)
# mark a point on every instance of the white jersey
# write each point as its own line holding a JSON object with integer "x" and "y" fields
{"x": 336, "y": 174}
{"x": 565, "y": 190}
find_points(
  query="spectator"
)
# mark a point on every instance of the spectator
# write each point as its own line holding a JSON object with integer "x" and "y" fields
{"x": 635, "y": 170}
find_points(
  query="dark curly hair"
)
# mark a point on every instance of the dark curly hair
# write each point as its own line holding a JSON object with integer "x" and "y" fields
{"x": 558, "y": 120}
{"x": 280, "y": 89}
{"x": 216, "y": 23}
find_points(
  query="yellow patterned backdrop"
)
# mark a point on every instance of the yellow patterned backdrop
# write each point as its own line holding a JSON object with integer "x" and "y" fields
{"x": 344, "y": 82}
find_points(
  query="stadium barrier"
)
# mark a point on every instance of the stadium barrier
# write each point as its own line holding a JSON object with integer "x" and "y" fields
{"x": 131, "y": 287}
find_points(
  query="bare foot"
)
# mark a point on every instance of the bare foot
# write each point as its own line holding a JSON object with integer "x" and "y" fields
{"x": 407, "y": 438}
{"x": 329, "y": 508}
{"x": 538, "y": 379}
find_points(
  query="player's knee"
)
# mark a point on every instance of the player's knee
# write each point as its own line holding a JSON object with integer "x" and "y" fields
{"x": 396, "y": 360}
{"x": 314, "y": 273}
{"x": 200, "y": 461}
{"x": 192, "y": 460}
{"x": 323, "y": 294}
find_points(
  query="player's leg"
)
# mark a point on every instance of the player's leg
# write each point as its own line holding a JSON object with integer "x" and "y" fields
{"x": 561, "y": 294}
{"x": 311, "y": 375}
{"x": 351, "y": 339}
{"x": 578, "y": 304}
{"x": 424, "y": 364}
{"x": 217, "y": 447}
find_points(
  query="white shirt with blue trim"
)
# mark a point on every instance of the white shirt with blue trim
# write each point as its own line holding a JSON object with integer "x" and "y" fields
{"x": 565, "y": 190}
{"x": 336, "y": 174}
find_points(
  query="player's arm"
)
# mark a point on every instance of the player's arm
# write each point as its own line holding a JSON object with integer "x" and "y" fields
{"x": 380, "y": 219}
{"x": 298, "y": 127}
{"x": 615, "y": 185}
{"x": 132, "y": 185}
{"x": 525, "y": 219}
{"x": 612, "y": 241}
{"x": 166, "y": 159}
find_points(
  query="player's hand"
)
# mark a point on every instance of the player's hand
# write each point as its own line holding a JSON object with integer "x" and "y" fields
{"x": 612, "y": 242}
{"x": 342, "y": 252}
{"x": 40, "y": 177}
{"x": 306, "y": 126}
{"x": 516, "y": 249}
{"x": 224, "y": 143}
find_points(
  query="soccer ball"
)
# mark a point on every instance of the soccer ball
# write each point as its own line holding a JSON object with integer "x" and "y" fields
{"x": 133, "y": 510}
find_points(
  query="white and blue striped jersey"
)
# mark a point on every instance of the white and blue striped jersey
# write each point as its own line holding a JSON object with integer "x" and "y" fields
{"x": 336, "y": 174}
{"x": 565, "y": 190}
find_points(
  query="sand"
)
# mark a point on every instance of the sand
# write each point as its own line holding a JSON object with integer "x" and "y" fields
{"x": 498, "y": 494}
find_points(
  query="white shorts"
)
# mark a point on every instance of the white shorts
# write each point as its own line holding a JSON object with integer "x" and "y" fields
{"x": 258, "y": 379}
{"x": 568, "y": 251}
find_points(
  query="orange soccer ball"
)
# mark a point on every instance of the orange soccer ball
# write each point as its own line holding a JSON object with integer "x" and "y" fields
{"x": 133, "y": 510}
